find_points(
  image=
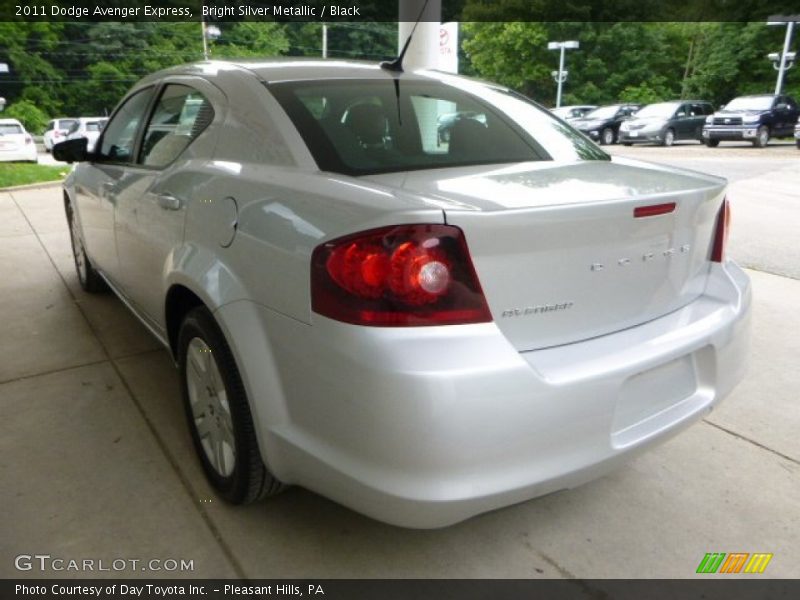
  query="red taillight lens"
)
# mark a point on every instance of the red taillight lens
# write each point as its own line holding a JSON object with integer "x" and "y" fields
{"x": 400, "y": 276}
{"x": 721, "y": 232}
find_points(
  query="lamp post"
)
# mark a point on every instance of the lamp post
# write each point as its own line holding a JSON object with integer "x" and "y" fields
{"x": 561, "y": 75}
{"x": 210, "y": 32}
{"x": 780, "y": 62}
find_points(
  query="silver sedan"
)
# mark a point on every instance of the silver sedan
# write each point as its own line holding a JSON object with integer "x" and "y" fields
{"x": 421, "y": 329}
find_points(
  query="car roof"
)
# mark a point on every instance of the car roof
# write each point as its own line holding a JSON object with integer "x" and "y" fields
{"x": 293, "y": 69}
{"x": 10, "y": 122}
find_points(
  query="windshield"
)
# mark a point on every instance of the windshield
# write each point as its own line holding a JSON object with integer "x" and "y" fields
{"x": 751, "y": 103}
{"x": 604, "y": 112}
{"x": 662, "y": 109}
{"x": 361, "y": 127}
{"x": 9, "y": 128}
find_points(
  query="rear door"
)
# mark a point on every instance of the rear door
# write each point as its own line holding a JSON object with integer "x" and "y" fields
{"x": 683, "y": 122}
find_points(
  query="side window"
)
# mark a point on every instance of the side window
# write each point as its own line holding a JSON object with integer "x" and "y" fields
{"x": 73, "y": 128}
{"x": 180, "y": 115}
{"x": 120, "y": 133}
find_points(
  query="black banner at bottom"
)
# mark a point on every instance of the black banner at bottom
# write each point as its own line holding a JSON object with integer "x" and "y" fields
{"x": 402, "y": 589}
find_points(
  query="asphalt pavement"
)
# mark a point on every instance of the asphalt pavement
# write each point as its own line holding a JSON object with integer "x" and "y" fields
{"x": 96, "y": 461}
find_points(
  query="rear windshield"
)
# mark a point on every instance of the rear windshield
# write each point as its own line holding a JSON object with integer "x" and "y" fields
{"x": 361, "y": 127}
{"x": 9, "y": 128}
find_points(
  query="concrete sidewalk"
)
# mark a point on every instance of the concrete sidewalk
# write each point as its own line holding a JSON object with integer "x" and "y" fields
{"x": 96, "y": 461}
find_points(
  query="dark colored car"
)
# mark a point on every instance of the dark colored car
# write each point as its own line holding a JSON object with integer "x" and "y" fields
{"x": 752, "y": 118}
{"x": 666, "y": 122}
{"x": 602, "y": 124}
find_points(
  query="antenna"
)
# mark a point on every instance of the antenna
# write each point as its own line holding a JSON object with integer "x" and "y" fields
{"x": 397, "y": 64}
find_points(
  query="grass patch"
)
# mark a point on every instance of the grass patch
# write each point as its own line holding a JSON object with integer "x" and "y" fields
{"x": 12, "y": 174}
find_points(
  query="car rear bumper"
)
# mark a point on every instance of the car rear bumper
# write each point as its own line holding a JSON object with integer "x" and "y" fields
{"x": 424, "y": 427}
{"x": 26, "y": 153}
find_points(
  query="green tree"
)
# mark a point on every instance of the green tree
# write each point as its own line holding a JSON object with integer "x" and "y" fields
{"x": 247, "y": 39}
{"x": 27, "y": 113}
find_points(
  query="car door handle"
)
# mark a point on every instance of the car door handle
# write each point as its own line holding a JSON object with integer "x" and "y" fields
{"x": 169, "y": 202}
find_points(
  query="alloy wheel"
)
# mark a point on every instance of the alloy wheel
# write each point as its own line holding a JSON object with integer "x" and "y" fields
{"x": 211, "y": 412}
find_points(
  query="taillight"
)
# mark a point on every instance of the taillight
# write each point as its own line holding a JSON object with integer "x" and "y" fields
{"x": 399, "y": 276}
{"x": 721, "y": 232}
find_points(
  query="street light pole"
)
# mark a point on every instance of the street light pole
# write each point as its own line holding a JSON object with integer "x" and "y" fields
{"x": 205, "y": 36}
{"x": 561, "y": 75}
{"x": 782, "y": 69}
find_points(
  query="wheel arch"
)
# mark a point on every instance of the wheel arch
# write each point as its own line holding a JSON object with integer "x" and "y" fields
{"x": 179, "y": 301}
{"x": 253, "y": 353}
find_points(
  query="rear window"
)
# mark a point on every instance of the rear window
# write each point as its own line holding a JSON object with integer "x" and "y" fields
{"x": 361, "y": 127}
{"x": 10, "y": 129}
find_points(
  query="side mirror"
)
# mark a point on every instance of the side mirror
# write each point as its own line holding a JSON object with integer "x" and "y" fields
{"x": 681, "y": 114}
{"x": 72, "y": 150}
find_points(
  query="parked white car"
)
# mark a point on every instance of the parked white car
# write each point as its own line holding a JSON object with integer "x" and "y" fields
{"x": 56, "y": 132}
{"x": 87, "y": 127}
{"x": 420, "y": 330}
{"x": 16, "y": 144}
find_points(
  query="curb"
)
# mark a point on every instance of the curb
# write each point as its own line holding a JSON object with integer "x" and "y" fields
{"x": 33, "y": 186}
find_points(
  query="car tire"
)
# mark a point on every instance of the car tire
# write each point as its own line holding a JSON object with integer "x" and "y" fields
{"x": 798, "y": 144}
{"x": 762, "y": 137}
{"x": 669, "y": 138}
{"x": 218, "y": 413}
{"x": 89, "y": 279}
{"x": 627, "y": 143}
{"x": 607, "y": 136}
{"x": 712, "y": 143}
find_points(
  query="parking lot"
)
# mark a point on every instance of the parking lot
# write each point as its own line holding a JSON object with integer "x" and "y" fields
{"x": 97, "y": 462}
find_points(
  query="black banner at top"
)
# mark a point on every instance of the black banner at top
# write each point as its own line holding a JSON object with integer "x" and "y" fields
{"x": 388, "y": 10}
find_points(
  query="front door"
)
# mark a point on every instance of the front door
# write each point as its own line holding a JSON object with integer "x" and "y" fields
{"x": 102, "y": 180}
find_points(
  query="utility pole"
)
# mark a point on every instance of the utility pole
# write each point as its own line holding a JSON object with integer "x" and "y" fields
{"x": 561, "y": 75}
{"x": 782, "y": 69}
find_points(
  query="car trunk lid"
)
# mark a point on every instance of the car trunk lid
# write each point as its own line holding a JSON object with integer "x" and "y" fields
{"x": 561, "y": 255}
